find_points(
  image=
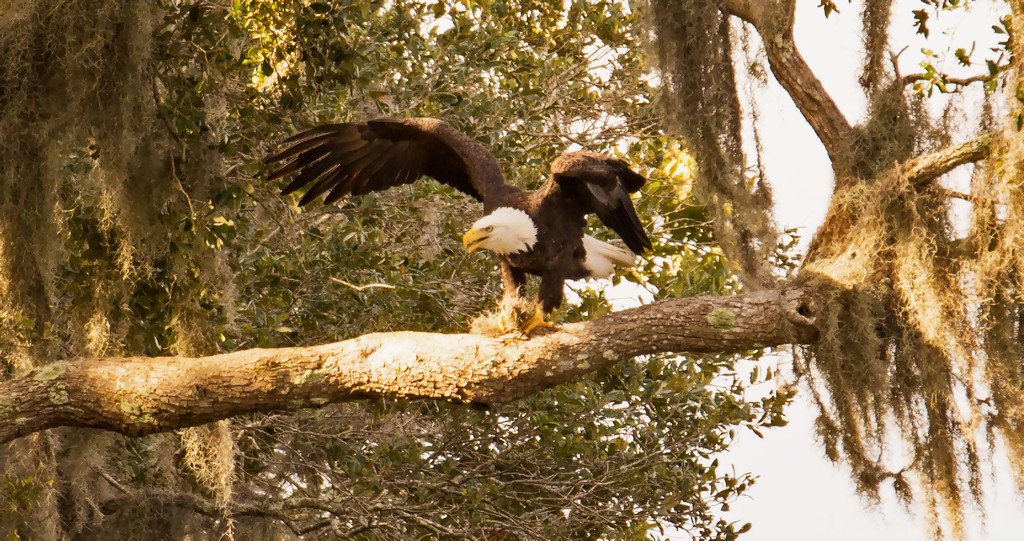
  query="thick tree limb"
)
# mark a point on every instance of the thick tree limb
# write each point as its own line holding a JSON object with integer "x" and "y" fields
{"x": 141, "y": 395}
{"x": 923, "y": 169}
{"x": 773, "y": 20}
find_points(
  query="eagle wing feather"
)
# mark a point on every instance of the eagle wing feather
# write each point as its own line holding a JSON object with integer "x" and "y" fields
{"x": 602, "y": 186}
{"x": 362, "y": 157}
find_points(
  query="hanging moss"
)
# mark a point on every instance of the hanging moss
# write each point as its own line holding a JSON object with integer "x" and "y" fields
{"x": 693, "y": 47}
{"x": 918, "y": 368}
{"x": 88, "y": 172}
{"x": 875, "y": 18}
{"x": 73, "y": 86}
{"x": 896, "y": 342}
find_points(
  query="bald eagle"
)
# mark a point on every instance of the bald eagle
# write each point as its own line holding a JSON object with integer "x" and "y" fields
{"x": 538, "y": 232}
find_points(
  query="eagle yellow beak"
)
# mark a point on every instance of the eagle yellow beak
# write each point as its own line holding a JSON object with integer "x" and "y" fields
{"x": 473, "y": 239}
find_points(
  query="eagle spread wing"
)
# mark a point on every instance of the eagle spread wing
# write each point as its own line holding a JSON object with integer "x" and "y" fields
{"x": 602, "y": 185}
{"x": 358, "y": 158}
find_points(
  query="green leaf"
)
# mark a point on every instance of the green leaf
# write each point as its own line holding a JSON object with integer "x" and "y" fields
{"x": 963, "y": 56}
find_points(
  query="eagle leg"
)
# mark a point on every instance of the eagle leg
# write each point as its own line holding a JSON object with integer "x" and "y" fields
{"x": 549, "y": 298}
{"x": 536, "y": 321}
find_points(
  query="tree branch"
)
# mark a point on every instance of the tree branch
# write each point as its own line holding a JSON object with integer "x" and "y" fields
{"x": 921, "y": 170}
{"x": 958, "y": 81}
{"x": 773, "y": 20}
{"x": 273, "y": 511}
{"x": 142, "y": 395}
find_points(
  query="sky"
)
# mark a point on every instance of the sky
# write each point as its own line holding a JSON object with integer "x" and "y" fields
{"x": 800, "y": 495}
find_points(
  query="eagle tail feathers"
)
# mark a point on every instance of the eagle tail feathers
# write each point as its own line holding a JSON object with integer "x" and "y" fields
{"x": 602, "y": 257}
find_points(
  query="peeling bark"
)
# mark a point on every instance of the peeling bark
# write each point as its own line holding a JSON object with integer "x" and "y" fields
{"x": 141, "y": 395}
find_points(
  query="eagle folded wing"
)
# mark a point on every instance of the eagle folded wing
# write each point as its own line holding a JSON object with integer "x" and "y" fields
{"x": 602, "y": 186}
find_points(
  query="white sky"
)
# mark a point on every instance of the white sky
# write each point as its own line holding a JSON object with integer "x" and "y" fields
{"x": 799, "y": 494}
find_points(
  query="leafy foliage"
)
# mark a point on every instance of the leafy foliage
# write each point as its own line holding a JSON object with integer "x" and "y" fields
{"x": 693, "y": 48}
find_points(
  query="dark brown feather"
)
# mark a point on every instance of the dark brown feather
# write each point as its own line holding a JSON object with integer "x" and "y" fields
{"x": 336, "y": 178}
{"x": 341, "y": 188}
{"x": 602, "y": 185}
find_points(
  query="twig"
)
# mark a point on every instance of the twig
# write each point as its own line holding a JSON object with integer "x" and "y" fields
{"x": 362, "y": 287}
{"x": 113, "y": 482}
{"x": 958, "y": 81}
{"x": 952, "y": 193}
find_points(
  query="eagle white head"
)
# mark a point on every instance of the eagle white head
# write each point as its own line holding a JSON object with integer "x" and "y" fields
{"x": 504, "y": 231}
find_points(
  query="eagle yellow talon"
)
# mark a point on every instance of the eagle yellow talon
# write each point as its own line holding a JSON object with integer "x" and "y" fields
{"x": 536, "y": 321}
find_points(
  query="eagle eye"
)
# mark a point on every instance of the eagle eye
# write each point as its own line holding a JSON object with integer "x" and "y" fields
{"x": 488, "y": 229}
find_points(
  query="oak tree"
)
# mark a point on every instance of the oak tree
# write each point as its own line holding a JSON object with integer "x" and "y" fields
{"x": 151, "y": 282}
